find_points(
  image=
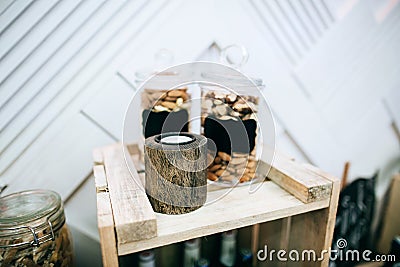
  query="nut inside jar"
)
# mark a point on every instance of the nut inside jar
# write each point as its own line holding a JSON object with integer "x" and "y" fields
{"x": 53, "y": 253}
{"x": 230, "y": 121}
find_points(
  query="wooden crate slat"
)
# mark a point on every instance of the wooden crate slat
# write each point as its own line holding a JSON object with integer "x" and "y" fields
{"x": 331, "y": 211}
{"x": 134, "y": 217}
{"x": 320, "y": 223}
{"x": 306, "y": 185}
{"x": 237, "y": 209}
{"x": 101, "y": 180}
{"x": 105, "y": 224}
{"x": 105, "y": 219}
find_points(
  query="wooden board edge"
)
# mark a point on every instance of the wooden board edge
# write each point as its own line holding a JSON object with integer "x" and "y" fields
{"x": 332, "y": 209}
{"x": 127, "y": 230}
{"x": 100, "y": 179}
{"x": 295, "y": 188}
{"x": 132, "y": 247}
{"x": 105, "y": 223}
{"x": 306, "y": 190}
{"x": 146, "y": 229}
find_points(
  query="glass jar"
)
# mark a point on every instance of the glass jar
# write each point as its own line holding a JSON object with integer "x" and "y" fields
{"x": 229, "y": 119}
{"x": 164, "y": 109}
{"x": 33, "y": 230}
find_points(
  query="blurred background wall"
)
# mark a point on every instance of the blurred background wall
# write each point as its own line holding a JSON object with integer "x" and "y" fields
{"x": 67, "y": 73}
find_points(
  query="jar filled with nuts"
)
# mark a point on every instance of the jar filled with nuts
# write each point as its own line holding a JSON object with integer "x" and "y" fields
{"x": 164, "y": 110}
{"x": 33, "y": 230}
{"x": 229, "y": 119}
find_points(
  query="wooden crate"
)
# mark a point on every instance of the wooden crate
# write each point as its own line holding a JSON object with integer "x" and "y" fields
{"x": 294, "y": 209}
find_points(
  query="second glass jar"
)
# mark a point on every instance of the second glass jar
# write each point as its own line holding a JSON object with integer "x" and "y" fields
{"x": 229, "y": 119}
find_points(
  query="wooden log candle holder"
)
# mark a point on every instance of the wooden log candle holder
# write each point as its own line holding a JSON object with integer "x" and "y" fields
{"x": 176, "y": 172}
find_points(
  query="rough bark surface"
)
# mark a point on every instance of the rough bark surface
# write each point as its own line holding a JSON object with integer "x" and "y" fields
{"x": 176, "y": 175}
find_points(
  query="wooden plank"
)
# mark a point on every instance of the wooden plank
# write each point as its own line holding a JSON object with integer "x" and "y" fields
{"x": 302, "y": 183}
{"x": 255, "y": 239}
{"x": 320, "y": 223}
{"x": 308, "y": 233}
{"x": 101, "y": 180}
{"x": 105, "y": 224}
{"x": 271, "y": 234}
{"x": 268, "y": 203}
{"x": 134, "y": 218}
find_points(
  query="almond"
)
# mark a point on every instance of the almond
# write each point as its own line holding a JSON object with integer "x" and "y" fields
{"x": 170, "y": 105}
{"x": 244, "y": 178}
{"x": 176, "y": 93}
{"x": 227, "y": 178}
{"x": 219, "y": 172}
{"x": 215, "y": 167}
{"x": 170, "y": 99}
{"x": 211, "y": 176}
{"x": 251, "y": 164}
{"x": 224, "y": 156}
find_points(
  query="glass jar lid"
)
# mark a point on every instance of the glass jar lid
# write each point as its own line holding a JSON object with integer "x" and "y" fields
{"x": 24, "y": 215}
{"x": 234, "y": 80}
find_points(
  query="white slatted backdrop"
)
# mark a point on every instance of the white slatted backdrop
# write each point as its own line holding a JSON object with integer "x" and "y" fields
{"x": 67, "y": 69}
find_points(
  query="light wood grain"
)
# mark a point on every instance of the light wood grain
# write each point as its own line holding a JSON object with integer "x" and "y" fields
{"x": 330, "y": 219}
{"x": 133, "y": 216}
{"x": 176, "y": 176}
{"x": 238, "y": 208}
{"x": 105, "y": 218}
{"x": 271, "y": 235}
{"x": 302, "y": 183}
{"x": 319, "y": 224}
{"x": 101, "y": 180}
{"x": 105, "y": 224}
{"x": 255, "y": 236}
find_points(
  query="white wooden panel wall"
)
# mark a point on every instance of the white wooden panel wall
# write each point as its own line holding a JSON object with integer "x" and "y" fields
{"x": 67, "y": 69}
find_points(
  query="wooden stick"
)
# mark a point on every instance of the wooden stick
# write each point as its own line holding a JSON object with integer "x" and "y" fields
{"x": 345, "y": 174}
{"x": 254, "y": 241}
